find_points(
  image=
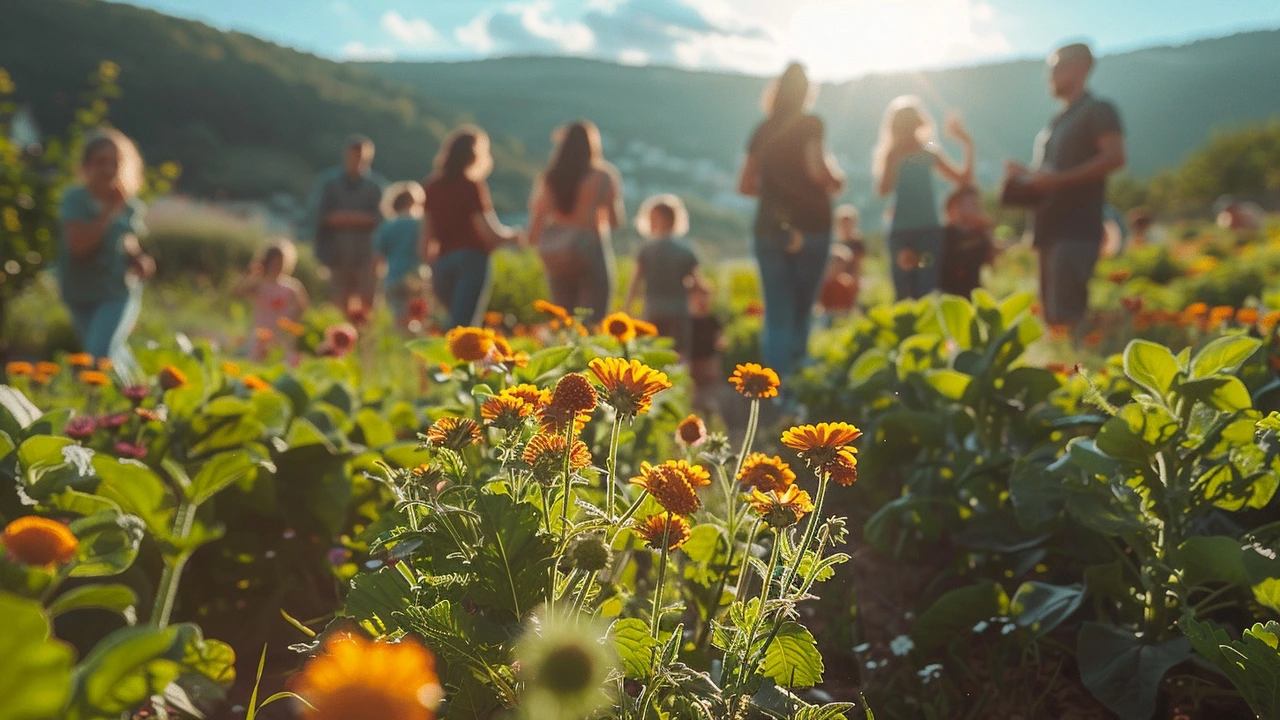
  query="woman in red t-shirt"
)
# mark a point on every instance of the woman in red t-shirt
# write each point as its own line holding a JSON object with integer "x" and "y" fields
{"x": 459, "y": 228}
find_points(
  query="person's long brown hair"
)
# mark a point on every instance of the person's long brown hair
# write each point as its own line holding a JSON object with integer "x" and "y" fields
{"x": 790, "y": 94}
{"x": 460, "y": 152}
{"x": 576, "y": 155}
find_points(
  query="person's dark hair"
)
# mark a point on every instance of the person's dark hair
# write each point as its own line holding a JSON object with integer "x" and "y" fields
{"x": 1076, "y": 52}
{"x": 458, "y": 153}
{"x": 788, "y": 95}
{"x": 1141, "y": 218}
{"x": 404, "y": 201}
{"x": 577, "y": 153}
{"x": 959, "y": 194}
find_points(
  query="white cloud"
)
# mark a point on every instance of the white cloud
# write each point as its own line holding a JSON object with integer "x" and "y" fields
{"x": 569, "y": 35}
{"x": 359, "y": 51}
{"x": 475, "y": 34}
{"x": 527, "y": 27}
{"x": 415, "y": 31}
{"x": 606, "y": 6}
{"x": 631, "y": 56}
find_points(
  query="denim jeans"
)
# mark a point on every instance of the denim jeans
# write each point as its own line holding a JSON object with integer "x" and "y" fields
{"x": 103, "y": 328}
{"x": 791, "y": 281}
{"x": 461, "y": 279}
{"x": 1066, "y": 266}
{"x": 916, "y": 282}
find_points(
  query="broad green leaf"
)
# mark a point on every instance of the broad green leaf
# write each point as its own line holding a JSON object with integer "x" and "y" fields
{"x": 705, "y": 542}
{"x": 1221, "y": 392}
{"x": 1223, "y": 355}
{"x": 957, "y": 318}
{"x": 122, "y": 671}
{"x": 792, "y": 659}
{"x": 1122, "y": 671}
{"x": 119, "y": 599}
{"x": 1041, "y": 607}
{"x": 109, "y": 542}
{"x": 545, "y": 361}
{"x": 374, "y": 428}
{"x": 1252, "y": 662}
{"x": 434, "y": 350}
{"x": 209, "y": 658}
{"x": 79, "y": 503}
{"x": 950, "y": 383}
{"x": 218, "y": 472}
{"x": 634, "y": 646}
{"x": 36, "y": 680}
{"x": 1136, "y": 432}
{"x": 956, "y": 612}
{"x": 1150, "y": 365}
{"x": 375, "y": 597}
{"x": 48, "y": 464}
{"x": 513, "y": 556}
{"x": 226, "y": 406}
{"x": 137, "y": 490}
{"x": 1212, "y": 559}
{"x": 1262, "y": 566}
{"x": 1012, "y": 306}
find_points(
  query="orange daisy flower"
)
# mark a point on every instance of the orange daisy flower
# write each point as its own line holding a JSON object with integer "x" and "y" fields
{"x": 691, "y": 432}
{"x": 105, "y": 364}
{"x": 819, "y": 445}
{"x": 553, "y": 310}
{"x": 781, "y": 509}
{"x": 171, "y": 378}
{"x": 453, "y": 433}
{"x": 18, "y": 368}
{"x": 845, "y": 468}
{"x": 572, "y": 400}
{"x": 533, "y": 396}
{"x": 656, "y": 527}
{"x": 620, "y": 326}
{"x": 755, "y": 382}
{"x": 48, "y": 368}
{"x": 1247, "y": 316}
{"x": 80, "y": 360}
{"x": 355, "y": 678}
{"x": 255, "y": 383}
{"x": 34, "y": 540}
{"x": 93, "y": 377}
{"x": 629, "y": 385}
{"x": 469, "y": 344}
{"x": 1268, "y": 322}
{"x": 493, "y": 318}
{"x": 503, "y": 353}
{"x": 505, "y": 411}
{"x": 674, "y": 484}
{"x": 1221, "y": 314}
{"x": 644, "y": 328}
{"x": 765, "y": 473}
{"x": 544, "y": 454}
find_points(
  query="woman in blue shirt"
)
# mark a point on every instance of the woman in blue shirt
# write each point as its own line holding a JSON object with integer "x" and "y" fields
{"x": 905, "y": 159}
{"x": 101, "y": 266}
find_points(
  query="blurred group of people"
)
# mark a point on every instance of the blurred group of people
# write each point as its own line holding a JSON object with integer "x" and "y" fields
{"x": 432, "y": 240}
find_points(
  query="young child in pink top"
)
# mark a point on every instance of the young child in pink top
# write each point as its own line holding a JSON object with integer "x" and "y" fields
{"x": 278, "y": 301}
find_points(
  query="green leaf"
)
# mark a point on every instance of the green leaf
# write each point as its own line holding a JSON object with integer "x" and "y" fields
{"x": 1252, "y": 663}
{"x": 50, "y": 464}
{"x": 951, "y": 384}
{"x": 1223, "y": 355}
{"x": 137, "y": 490}
{"x": 956, "y": 612}
{"x": 377, "y": 596}
{"x": 792, "y": 659}
{"x": 219, "y": 472}
{"x": 635, "y": 647}
{"x": 109, "y": 542}
{"x": 546, "y": 361}
{"x": 957, "y": 318}
{"x": 1041, "y": 607}
{"x": 434, "y": 350}
{"x": 36, "y": 680}
{"x": 1122, "y": 671}
{"x": 1213, "y": 559}
{"x": 1262, "y": 566}
{"x": 374, "y": 428}
{"x": 705, "y": 542}
{"x": 1136, "y": 432}
{"x": 122, "y": 671}
{"x": 513, "y": 557}
{"x": 209, "y": 658}
{"x": 119, "y": 599}
{"x": 1150, "y": 365}
{"x": 1224, "y": 393}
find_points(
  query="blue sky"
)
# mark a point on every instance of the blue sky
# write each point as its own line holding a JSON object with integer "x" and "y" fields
{"x": 838, "y": 39}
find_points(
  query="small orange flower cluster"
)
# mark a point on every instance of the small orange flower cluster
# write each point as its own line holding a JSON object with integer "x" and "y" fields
{"x": 674, "y": 485}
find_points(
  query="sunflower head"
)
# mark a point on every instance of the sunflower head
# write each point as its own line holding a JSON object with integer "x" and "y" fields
{"x": 545, "y": 454}
{"x": 453, "y": 433}
{"x": 629, "y": 385}
{"x": 691, "y": 432}
{"x": 620, "y": 326}
{"x": 674, "y": 484}
{"x": 663, "y": 525}
{"x": 819, "y": 445}
{"x": 469, "y": 344}
{"x": 506, "y": 412}
{"x": 353, "y": 678}
{"x": 34, "y": 540}
{"x": 171, "y": 378}
{"x": 765, "y": 473}
{"x": 781, "y": 509}
{"x": 755, "y": 382}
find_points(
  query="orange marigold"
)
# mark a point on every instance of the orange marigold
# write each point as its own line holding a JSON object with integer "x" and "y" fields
{"x": 255, "y": 383}
{"x": 656, "y": 527}
{"x": 505, "y": 411}
{"x": 755, "y": 382}
{"x": 674, "y": 484}
{"x": 819, "y": 445}
{"x": 620, "y": 326}
{"x": 230, "y": 368}
{"x": 1268, "y": 322}
{"x": 48, "y": 368}
{"x": 80, "y": 360}
{"x": 572, "y": 400}
{"x": 782, "y": 508}
{"x": 453, "y": 432}
{"x": 629, "y": 385}
{"x": 469, "y": 344}
{"x": 93, "y": 377}
{"x": 845, "y": 468}
{"x": 493, "y": 318}
{"x": 691, "y": 432}
{"x": 1221, "y": 314}
{"x": 1247, "y": 316}
{"x": 503, "y": 353}
{"x": 105, "y": 364}
{"x": 765, "y": 473}
{"x": 553, "y": 310}
{"x": 171, "y": 378}
{"x": 354, "y": 678}
{"x": 19, "y": 367}
{"x": 535, "y": 397}
{"x": 644, "y": 328}
{"x": 544, "y": 454}
{"x": 263, "y": 335}
{"x": 39, "y": 541}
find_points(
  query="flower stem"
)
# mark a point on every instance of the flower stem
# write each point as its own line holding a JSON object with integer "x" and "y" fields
{"x": 753, "y": 420}
{"x": 611, "y": 468}
{"x": 746, "y": 559}
{"x": 568, "y": 475}
{"x": 764, "y": 597}
{"x": 167, "y": 591}
{"x": 662, "y": 575}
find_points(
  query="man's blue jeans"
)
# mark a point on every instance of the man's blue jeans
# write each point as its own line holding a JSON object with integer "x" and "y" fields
{"x": 791, "y": 281}
{"x": 461, "y": 279}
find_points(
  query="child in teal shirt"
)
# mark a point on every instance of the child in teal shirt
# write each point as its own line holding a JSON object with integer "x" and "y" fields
{"x": 396, "y": 242}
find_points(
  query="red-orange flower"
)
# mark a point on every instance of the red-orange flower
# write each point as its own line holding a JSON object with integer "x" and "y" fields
{"x": 93, "y": 377}
{"x": 469, "y": 344}
{"x": 572, "y": 401}
{"x": 629, "y": 385}
{"x": 765, "y": 473}
{"x": 782, "y": 508}
{"x": 545, "y": 456}
{"x": 80, "y": 360}
{"x": 1247, "y": 316}
{"x": 1221, "y": 314}
{"x": 355, "y": 679}
{"x": 755, "y": 382}
{"x": 453, "y": 433}
{"x": 505, "y": 411}
{"x": 674, "y": 484}
{"x": 656, "y": 527}
{"x": 34, "y": 540}
{"x": 553, "y": 310}
{"x": 820, "y": 445}
{"x": 19, "y": 367}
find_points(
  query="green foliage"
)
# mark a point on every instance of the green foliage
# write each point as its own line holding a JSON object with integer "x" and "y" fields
{"x": 1252, "y": 662}
{"x": 37, "y": 676}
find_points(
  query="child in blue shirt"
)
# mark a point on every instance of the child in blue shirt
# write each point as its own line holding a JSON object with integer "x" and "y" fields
{"x": 397, "y": 245}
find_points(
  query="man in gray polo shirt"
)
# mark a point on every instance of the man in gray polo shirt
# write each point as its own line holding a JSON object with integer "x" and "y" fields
{"x": 1081, "y": 146}
{"x": 348, "y": 200}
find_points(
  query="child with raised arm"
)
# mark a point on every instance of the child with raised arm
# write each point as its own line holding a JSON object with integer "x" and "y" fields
{"x": 666, "y": 268}
{"x": 278, "y": 300}
{"x": 396, "y": 246}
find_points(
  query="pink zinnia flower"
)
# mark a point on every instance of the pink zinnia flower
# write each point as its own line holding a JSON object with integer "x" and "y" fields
{"x": 131, "y": 450}
{"x": 340, "y": 338}
{"x": 80, "y": 427}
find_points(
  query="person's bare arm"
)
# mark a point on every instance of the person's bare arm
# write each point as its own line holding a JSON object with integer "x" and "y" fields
{"x": 1110, "y": 158}
{"x": 537, "y": 211}
{"x": 84, "y": 237}
{"x": 637, "y": 281}
{"x": 615, "y": 210}
{"x": 490, "y": 229}
{"x": 351, "y": 220}
{"x": 300, "y": 297}
{"x": 962, "y": 175}
{"x": 822, "y": 169}
{"x": 749, "y": 177}
{"x": 889, "y": 178}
